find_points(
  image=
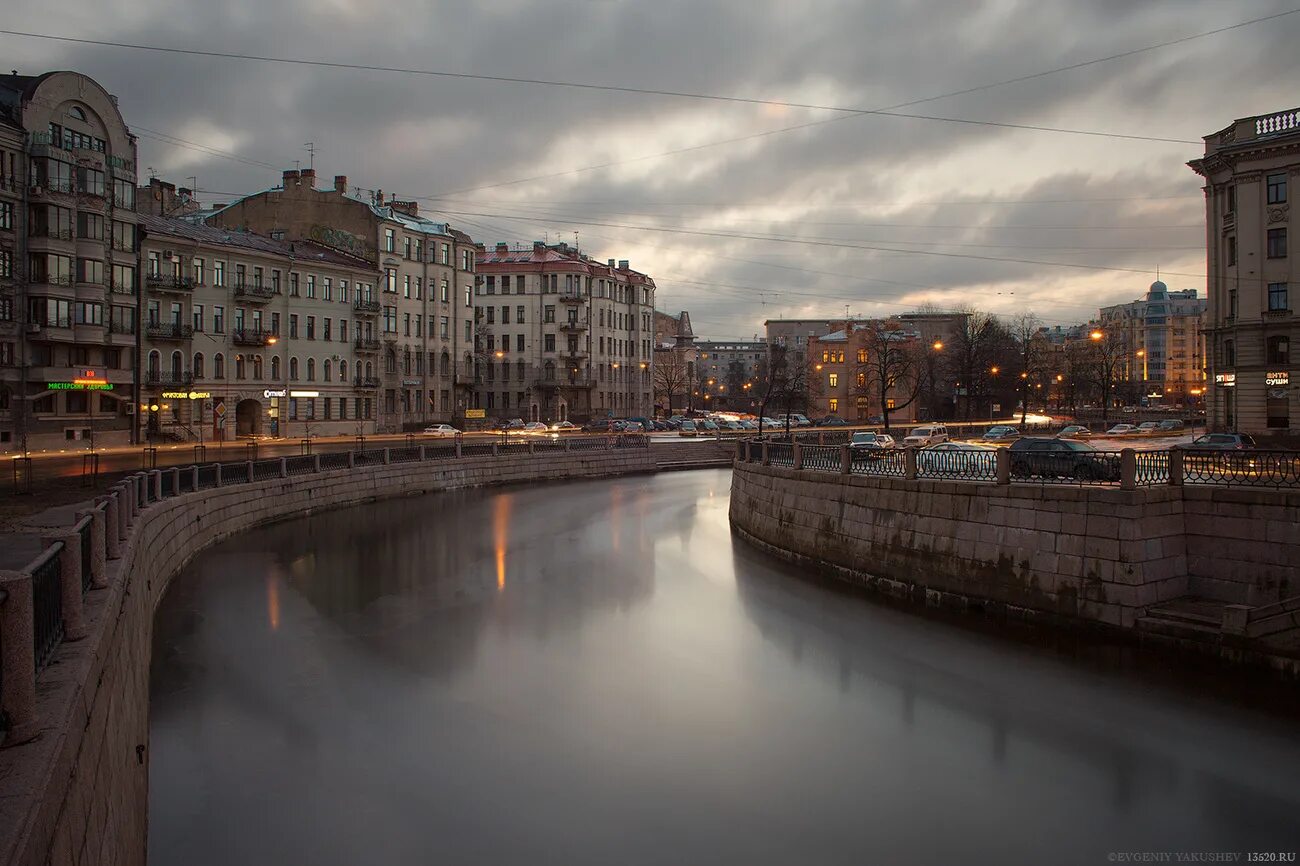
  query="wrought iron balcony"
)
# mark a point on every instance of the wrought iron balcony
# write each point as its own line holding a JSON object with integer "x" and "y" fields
{"x": 574, "y": 327}
{"x": 253, "y": 337}
{"x": 365, "y": 382}
{"x": 169, "y": 283}
{"x": 573, "y": 298}
{"x": 254, "y": 292}
{"x": 365, "y": 344}
{"x": 168, "y": 378}
{"x": 364, "y": 307}
{"x": 168, "y": 331}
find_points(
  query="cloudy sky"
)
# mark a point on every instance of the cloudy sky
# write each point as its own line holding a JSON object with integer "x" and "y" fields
{"x": 744, "y": 221}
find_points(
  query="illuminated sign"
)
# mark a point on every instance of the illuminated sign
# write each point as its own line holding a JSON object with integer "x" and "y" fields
{"x": 270, "y": 395}
{"x": 80, "y": 385}
{"x": 186, "y": 395}
{"x": 1279, "y": 378}
{"x": 304, "y": 393}
{"x": 475, "y": 413}
{"x": 1226, "y": 380}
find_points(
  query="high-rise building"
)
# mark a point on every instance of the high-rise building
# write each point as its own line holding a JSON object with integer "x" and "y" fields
{"x": 421, "y": 317}
{"x": 562, "y": 336}
{"x": 1163, "y": 354}
{"x": 68, "y": 264}
{"x": 1250, "y": 322}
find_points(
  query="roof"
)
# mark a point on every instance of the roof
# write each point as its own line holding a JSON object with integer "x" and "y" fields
{"x": 559, "y": 255}
{"x": 215, "y": 236}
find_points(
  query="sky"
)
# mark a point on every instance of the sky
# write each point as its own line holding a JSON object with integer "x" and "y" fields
{"x": 865, "y": 214}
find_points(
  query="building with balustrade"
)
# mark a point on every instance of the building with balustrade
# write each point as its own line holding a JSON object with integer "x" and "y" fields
{"x": 242, "y": 335}
{"x": 562, "y": 336}
{"x": 419, "y": 328}
{"x": 1250, "y": 322}
{"x": 68, "y": 264}
{"x": 1163, "y": 351}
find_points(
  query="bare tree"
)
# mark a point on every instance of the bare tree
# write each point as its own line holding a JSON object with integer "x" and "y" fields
{"x": 672, "y": 375}
{"x": 1109, "y": 358}
{"x": 786, "y": 385}
{"x": 1025, "y": 331}
{"x": 971, "y": 351}
{"x": 893, "y": 369}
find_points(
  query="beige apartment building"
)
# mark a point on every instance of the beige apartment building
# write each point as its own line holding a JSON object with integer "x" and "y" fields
{"x": 420, "y": 337}
{"x": 68, "y": 264}
{"x": 244, "y": 336}
{"x": 1163, "y": 348}
{"x": 563, "y": 336}
{"x": 1249, "y": 168}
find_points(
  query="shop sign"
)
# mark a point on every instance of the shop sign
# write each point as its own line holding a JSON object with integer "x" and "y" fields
{"x": 475, "y": 413}
{"x": 1281, "y": 377}
{"x": 1225, "y": 380}
{"x": 410, "y": 381}
{"x": 186, "y": 395}
{"x": 304, "y": 393}
{"x": 271, "y": 395}
{"x": 80, "y": 385}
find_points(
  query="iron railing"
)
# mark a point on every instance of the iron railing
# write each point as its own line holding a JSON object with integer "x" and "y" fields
{"x": 47, "y": 604}
{"x": 978, "y": 465}
{"x": 1066, "y": 467}
{"x": 1245, "y": 468}
{"x": 83, "y": 530}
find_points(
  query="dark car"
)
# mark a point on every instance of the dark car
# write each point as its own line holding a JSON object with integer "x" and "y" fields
{"x": 1037, "y": 457}
{"x": 832, "y": 421}
{"x": 1222, "y": 442}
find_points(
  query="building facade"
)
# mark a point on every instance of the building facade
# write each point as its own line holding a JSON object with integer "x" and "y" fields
{"x": 842, "y": 380}
{"x": 69, "y": 268}
{"x": 418, "y": 329}
{"x": 676, "y": 365}
{"x": 562, "y": 336}
{"x": 731, "y": 373}
{"x": 246, "y": 336}
{"x": 1164, "y": 350}
{"x": 1250, "y": 321}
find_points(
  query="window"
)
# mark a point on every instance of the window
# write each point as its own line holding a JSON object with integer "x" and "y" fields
{"x": 490, "y": 286}
{"x": 311, "y": 327}
{"x": 6, "y": 263}
{"x": 218, "y": 274}
{"x": 519, "y": 342}
{"x": 218, "y": 366}
{"x": 390, "y": 241}
{"x": 491, "y": 315}
{"x": 293, "y": 285}
{"x": 833, "y": 380}
{"x": 444, "y": 292}
{"x": 1232, "y": 250}
{"x": 311, "y": 369}
{"x": 311, "y": 285}
{"x": 198, "y": 365}
{"x": 91, "y": 182}
{"x": 445, "y": 254}
{"x": 390, "y": 280}
{"x": 124, "y": 194}
{"x": 1229, "y": 354}
{"x": 1277, "y": 299}
{"x": 1277, "y": 188}
{"x": 1279, "y": 350}
{"x": 90, "y": 271}
{"x": 293, "y": 326}
{"x": 325, "y": 329}
{"x": 549, "y": 343}
{"x": 1277, "y": 243}
{"x": 90, "y": 226}
{"x": 406, "y": 285}
{"x": 548, "y": 314}
{"x": 293, "y": 369}
{"x": 390, "y": 320}
{"x": 443, "y": 328}
{"x": 834, "y": 405}
{"x": 519, "y": 315}
{"x": 88, "y": 313}
{"x": 6, "y": 216}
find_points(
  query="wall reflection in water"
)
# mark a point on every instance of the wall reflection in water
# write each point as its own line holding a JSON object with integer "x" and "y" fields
{"x": 594, "y": 673}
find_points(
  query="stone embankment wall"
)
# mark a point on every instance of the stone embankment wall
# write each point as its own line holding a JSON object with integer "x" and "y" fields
{"x": 77, "y": 793}
{"x": 1089, "y": 554}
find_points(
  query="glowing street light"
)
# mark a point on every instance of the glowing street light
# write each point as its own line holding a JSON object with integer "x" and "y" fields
{"x": 993, "y": 370}
{"x": 938, "y": 345}
{"x": 1096, "y": 335}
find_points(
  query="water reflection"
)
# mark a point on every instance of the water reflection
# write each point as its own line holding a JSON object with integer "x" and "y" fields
{"x": 594, "y": 673}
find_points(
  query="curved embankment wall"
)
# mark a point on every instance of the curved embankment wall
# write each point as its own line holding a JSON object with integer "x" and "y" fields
{"x": 78, "y": 793}
{"x": 1062, "y": 553}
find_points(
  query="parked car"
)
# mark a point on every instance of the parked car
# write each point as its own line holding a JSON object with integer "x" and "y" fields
{"x": 868, "y": 441}
{"x": 920, "y": 437}
{"x": 1032, "y": 456}
{"x": 730, "y": 424}
{"x": 441, "y": 431}
{"x": 1074, "y": 431}
{"x": 833, "y": 421}
{"x": 959, "y": 459}
{"x": 1121, "y": 430}
{"x": 514, "y": 424}
{"x": 536, "y": 428}
{"x": 687, "y": 428}
{"x": 1148, "y": 427}
{"x": 1171, "y": 425}
{"x": 1222, "y": 442}
{"x": 707, "y": 426}
{"x": 1001, "y": 433}
{"x": 562, "y": 426}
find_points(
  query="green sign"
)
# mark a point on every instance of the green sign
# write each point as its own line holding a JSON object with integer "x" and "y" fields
{"x": 79, "y": 386}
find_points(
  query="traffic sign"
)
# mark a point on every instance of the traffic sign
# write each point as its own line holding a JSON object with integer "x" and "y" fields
{"x": 475, "y": 413}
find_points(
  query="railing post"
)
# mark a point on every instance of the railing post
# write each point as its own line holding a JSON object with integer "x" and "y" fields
{"x": 176, "y": 480}
{"x": 98, "y": 576}
{"x": 821, "y": 437}
{"x": 74, "y": 624}
{"x": 458, "y": 443}
{"x": 315, "y": 462}
{"x": 422, "y": 457}
{"x": 194, "y": 477}
{"x": 135, "y": 484}
{"x": 846, "y": 460}
{"x": 765, "y": 459}
{"x": 1176, "y": 467}
{"x": 249, "y": 465}
{"x": 155, "y": 485}
{"x": 1128, "y": 465}
{"x": 284, "y": 467}
{"x": 1002, "y": 462}
{"x": 566, "y": 447}
{"x": 217, "y": 481}
{"x": 530, "y": 447}
{"x": 494, "y": 449}
{"x": 909, "y": 464}
{"x": 112, "y": 526}
{"x": 388, "y": 456}
{"x": 796, "y": 456}
{"x": 18, "y": 657}
{"x": 352, "y": 460}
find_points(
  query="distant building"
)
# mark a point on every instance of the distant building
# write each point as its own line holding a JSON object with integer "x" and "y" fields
{"x": 1251, "y": 319}
{"x": 69, "y": 264}
{"x": 562, "y": 336}
{"x": 1163, "y": 349}
{"x": 733, "y": 373}
{"x": 840, "y": 374}
{"x": 676, "y": 379}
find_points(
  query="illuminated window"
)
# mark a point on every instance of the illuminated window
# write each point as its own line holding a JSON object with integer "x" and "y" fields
{"x": 889, "y": 404}
{"x": 862, "y": 356}
{"x": 834, "y": 380}
{"x": 834, "y": 405}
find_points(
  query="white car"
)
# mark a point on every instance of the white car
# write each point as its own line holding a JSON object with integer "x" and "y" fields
{"x": 1121, "y": 430}
{"x": 562, "y": 426}
{"x": 923, "y": 437}
{"x": 535, "y": 428}
{"x": 867, "y": 441}
{"x": 441, "y": 431}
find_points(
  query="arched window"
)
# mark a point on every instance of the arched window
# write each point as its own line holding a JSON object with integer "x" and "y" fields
{"x": 390, "y": 361}
{"x": 370, "y": 370}
{"x": 275, "y": 368}
{"x": 328, "y": 371}
{"x": 445, "y": 364}
{"x": 548, "y": 372}
{"x": 198, "y": 365}
{"x": 77, "y": 112}
{"x": 343, "y": 371}
{"x": 155, "y": 364}
{"x": 862, "y": 356}
{"x": 311, "y": 369}
{"x": 178, "y": 366}
{"x": 1279, "y": 350}
{"x": 218, "y": 366}
{"x": 293, "y": 369}
{"x": 239, "y": 366}
{"x": 257, "y": 367}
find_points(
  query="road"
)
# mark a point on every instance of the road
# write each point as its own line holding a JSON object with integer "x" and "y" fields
{"x": 597, "y": 672}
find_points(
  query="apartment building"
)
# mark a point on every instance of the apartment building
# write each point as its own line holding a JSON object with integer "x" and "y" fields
{"x": 732, "y": 373}
{"x": 844, "y": 380}
{"x": 423, "y": 312}
{"x": 242, "y": 335}
{"x": 68, "y": 264}
{"x": 1163, "y": 349}
{"x": 1250, "y": 321}
{"x": 562, "y": 336}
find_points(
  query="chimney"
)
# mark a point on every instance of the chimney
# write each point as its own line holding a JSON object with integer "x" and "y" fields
{"x": 340, "y": 183}
{"x": 184, "y": 192}
{"x": 539, "y": 246}
{"x": 290, "y": 178}
{"x": 622, "y": 264}
{"x": 502, "y": 248}
{"x": 309, "y": 177}
{"x": 611, "y": 263}
{"x": 409, "y": 208}
{"x": 379, "y": 198}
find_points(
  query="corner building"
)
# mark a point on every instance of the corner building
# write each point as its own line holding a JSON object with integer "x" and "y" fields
{"x": 68, "y": 264}
{"x": 418, "y": 329}
{"x": 562, "y": 336}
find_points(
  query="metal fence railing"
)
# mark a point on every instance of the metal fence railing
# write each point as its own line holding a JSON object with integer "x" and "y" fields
{"x": 83, "y": 529}
{"x": 47, "y": 604}
{"x": 1246, "y": 468}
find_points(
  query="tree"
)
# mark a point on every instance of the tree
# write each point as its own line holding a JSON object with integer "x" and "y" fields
{"x": 671, "y": 376}
{"x": 1025, "y": 330}
{"x": 1109, "y": 357}
{"x": 786, "y": 384}
{"x": 971, "y": 353}
{"x": 893, "y": 368}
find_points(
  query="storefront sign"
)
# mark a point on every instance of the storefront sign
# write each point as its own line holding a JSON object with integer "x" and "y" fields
{"x": 186, "y": 395}
{"x": 304, "y": 393}
{"x": 1279, "y": 378}
{"x": 81, "y": 385}
{"x": 1225, "y": 380}
{"x": 475, "y": 413}
{"x": 271, "y": 395}
{"x": 410, "y": 381}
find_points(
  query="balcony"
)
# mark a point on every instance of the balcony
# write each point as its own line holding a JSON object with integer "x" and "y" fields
{"x": 52, "y": 279}
{"x": 573, "y": 298}
{"x": 390, "y": 336}
{"x": 253, "y": 292}
{"x": 365, "y": 344}
{"x": 365, "y": 308}
{"x": 253, "y": 337}
{"x": 168, "y": 283}
{"x": 571, "y": 357}
{"x": 573, "y": 327}
{"x": 1273, "y": 315}
{"x": 168, "y": 331}
{"x": 368, "y": 382}
{"x": 168, "y": 379}
{"x": 566, "y": 382}
{"x": 50, "y": 329}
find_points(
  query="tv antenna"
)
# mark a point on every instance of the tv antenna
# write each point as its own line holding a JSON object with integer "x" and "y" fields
{"x": 310, "y": 147}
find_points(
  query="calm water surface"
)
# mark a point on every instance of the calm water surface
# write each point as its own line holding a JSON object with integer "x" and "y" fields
{"x": 597, "y": 673}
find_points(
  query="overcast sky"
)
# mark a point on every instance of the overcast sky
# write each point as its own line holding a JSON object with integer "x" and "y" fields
{"x": 963, "y": 190}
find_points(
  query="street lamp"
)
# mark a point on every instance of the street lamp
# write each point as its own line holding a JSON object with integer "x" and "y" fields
{"x": 938, "y": 345}
{"x": 1096, "y": 335}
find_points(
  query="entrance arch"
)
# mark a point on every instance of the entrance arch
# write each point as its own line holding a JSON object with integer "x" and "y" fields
{"x": 248, "y": 418}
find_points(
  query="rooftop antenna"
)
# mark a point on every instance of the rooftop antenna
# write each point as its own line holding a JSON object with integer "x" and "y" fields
{"x": 152, "y": 174}
{"x": 194, "y": 186}
{"x": 575, "y": 242}
{"x": 310, "y": 147}
{"x": 297, "y": 164}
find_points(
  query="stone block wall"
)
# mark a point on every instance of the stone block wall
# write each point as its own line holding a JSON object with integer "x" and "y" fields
{"x": 1243, "y": 545}
{"x": 78, "y": 793}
